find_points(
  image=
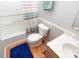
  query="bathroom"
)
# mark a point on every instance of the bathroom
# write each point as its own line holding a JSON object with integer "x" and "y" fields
{"x": 20, "y": 19}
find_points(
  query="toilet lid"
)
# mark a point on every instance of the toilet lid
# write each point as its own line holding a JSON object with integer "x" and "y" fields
{"x": 34, "y": 37}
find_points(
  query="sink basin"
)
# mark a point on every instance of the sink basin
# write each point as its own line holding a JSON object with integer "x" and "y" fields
{"x": 71, "y": 51}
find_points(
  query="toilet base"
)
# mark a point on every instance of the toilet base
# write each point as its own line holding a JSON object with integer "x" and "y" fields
{"x": 33, "y": 45}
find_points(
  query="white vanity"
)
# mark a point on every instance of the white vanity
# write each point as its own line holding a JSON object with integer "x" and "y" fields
{"x": 64, "y": 46}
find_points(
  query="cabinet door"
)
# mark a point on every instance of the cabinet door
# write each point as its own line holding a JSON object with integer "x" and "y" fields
{"x": 50, "y": 53}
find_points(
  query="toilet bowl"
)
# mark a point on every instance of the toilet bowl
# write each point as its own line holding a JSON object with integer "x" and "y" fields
{"x": 35, "y": 39}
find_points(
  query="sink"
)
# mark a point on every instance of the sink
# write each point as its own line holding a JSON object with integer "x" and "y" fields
{"x": 71, "y": 50}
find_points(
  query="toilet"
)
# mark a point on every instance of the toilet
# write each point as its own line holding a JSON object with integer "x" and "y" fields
{"x": 35, "y": 39}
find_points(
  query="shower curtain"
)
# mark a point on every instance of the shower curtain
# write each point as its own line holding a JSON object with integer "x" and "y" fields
{"x": 31, "y": 16}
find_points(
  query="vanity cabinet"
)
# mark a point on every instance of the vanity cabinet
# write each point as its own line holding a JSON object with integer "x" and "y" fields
{"x": 50, "y": 53}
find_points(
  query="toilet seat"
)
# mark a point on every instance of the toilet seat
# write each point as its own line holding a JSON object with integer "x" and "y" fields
{"x": 34, "y": 38}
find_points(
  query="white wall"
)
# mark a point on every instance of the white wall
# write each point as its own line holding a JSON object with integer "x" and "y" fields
{"x": 10, "y": 7}
{"x": 54, "y": 30}
{"x": 63, "y": 14}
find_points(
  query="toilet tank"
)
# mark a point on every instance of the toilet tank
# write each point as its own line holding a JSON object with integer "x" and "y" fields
{"x": 43, "y": 29}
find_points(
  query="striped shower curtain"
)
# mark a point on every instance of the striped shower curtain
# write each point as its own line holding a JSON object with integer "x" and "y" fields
{"x": 31, "y": 16}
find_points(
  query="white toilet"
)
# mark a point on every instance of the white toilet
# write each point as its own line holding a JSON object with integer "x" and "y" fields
{"x": 35, "y": 39}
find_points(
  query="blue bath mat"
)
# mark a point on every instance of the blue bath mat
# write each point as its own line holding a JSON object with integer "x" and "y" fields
{"x": 21, "y": 51}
